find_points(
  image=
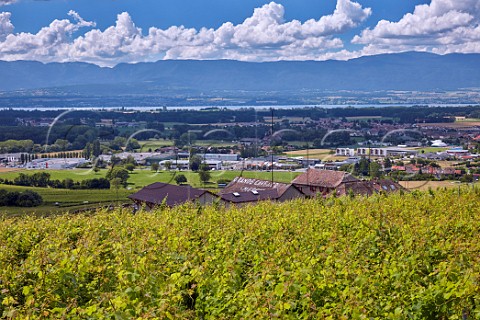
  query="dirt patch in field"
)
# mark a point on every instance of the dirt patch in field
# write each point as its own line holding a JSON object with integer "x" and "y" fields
{"x": 455, "y": 125}
{"x": 425, "y": 185}
{"x": 9, "y": 169}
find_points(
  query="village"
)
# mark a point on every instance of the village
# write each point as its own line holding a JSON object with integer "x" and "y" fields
{"x": 323, "y": 156}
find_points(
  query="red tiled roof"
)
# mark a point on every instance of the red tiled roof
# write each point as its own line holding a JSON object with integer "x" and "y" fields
{"x": 324, "y": 178}
{"x": 358, "y": 188}
{"x": 156, "y": 192}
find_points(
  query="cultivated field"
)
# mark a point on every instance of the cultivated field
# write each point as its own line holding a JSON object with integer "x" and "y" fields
{"x": 411, "y": 256}
{"x": 322, "y": 154}
{"x": 71, "y": 200}
{"x": 434, "y": 185}
{"x": 455, "y": 125}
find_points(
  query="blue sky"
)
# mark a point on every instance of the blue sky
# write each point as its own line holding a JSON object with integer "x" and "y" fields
{"x": 108, "y": 32}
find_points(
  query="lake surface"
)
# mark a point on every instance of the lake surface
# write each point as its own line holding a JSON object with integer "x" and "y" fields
{"x": 233, "y": 107}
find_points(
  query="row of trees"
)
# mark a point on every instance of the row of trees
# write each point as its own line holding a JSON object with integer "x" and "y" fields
{"x": 42, "y": 180}
{"x": 20, "y": 199}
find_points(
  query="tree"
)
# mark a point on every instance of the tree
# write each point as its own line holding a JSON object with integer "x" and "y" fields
{"x": 130, "y": 167}
{"x": 133, "y": 144}
{"x": 130, "y": 159}
{"x": 204, "y": 176}
{"x": 361, "y": 168}
{"x": 118, "y": 173}
{"x": 374, "y": 169}
{"x": 96, "y": 150}
{"x": 180, "y": 178}
{"x": 118, "y": 143}
{"x": 115, "y": 184}
{"x": 167, "y": 165}
{"x": 61, "y": 144}
{"x": 195, "y": 162}
{"x": 68, "y": 183}
{"x": 88, "y": 151}
{"x": 29, "y": 199}
{"x": 387, "y": 163}
{"x": 114, "y": 160}
{"x": 155, "y": 166}
{"x": 187, "y": 138}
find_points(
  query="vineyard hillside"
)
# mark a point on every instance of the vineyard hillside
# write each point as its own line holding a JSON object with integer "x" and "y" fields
{"x": 399, "y": 256}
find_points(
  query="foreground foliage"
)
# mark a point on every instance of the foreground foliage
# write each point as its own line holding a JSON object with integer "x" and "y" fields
{"x": 411, "y": 256}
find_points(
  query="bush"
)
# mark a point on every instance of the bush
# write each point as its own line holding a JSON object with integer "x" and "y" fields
{"x": 180, "y": 178}
{"x": 27, "y": 198}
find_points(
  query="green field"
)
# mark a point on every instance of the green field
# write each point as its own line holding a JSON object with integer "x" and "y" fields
{"x": 142, "y": 177}
{"x": 410, "y": 256}
{"x": 71, "y": 200}
{"x": 68, "y": 200}
{"x": 430, "y": 149}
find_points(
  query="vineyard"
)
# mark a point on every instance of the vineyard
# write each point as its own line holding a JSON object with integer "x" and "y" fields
{"x": 383, "y": 257}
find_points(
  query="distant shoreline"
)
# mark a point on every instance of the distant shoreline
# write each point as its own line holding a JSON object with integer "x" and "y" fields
{"x": 238, "y": 107}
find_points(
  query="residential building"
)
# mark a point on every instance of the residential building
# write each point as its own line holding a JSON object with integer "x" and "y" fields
{"x": 172, "y": 195}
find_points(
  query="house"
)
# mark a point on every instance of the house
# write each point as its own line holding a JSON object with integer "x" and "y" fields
{"x": 185, "y": 164}
{"x": 246, "y": 190}
{"x": 323, "y": 182}
{"x": 385, "y": 185}
{"x": 173, "y": 195}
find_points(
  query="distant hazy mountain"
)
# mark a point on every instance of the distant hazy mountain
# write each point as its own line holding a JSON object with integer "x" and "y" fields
{"x": 404, "y": 71}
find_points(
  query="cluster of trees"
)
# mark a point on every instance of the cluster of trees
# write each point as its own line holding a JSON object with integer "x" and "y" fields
{"x": 42, "y": 180}
{"x": 118, "y": 176}
{"x": 10, "y": 146}
{"x": 26, "y": 198}
{"x": 366, "y": 168}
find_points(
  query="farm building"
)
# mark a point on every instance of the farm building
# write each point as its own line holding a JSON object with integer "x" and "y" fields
{"x": 173, "y": 195}
{"x": 324, "y": 182}
{"x": 244, "y": 190}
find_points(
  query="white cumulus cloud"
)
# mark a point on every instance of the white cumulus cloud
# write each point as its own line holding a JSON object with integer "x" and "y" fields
{"x": 443, "y": 26}
{"x": 265, "y": 36}
{"x": 5, "y": 2}
{"x": 6, "y": 27}
{"x": 49, "y": 44}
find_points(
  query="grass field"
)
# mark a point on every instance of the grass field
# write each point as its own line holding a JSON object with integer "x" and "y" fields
{"x": 456, "y": 124}
{"x": 434, "y": 185}
{"x": 71, "y": 200}
{"x": 142, "y": 177}
{"x": 311, "y": 152}
{"x": 430, "y": 149}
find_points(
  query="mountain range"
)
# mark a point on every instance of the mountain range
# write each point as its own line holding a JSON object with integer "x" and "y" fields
{"x": 412, "y": 71}
{"x": 403, "y": 71}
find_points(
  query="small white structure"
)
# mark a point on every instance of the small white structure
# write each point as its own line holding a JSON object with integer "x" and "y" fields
{"x": 385, "y": 152}
{"x": 347, "y": 152}
{"x": 438, "y": 144}
{"x": 185, "y": 164}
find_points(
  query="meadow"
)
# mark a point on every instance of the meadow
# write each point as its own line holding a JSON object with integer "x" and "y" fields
{"x": 72, "y": 200}
{"x": 410, "y": 256}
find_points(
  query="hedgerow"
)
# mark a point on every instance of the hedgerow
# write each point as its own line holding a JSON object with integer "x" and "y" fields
{"x": 382, "y": 257}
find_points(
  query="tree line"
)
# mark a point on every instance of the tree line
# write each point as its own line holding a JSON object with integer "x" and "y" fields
{"x": 26, "y": 198}
{"x": 43, "y": 180}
